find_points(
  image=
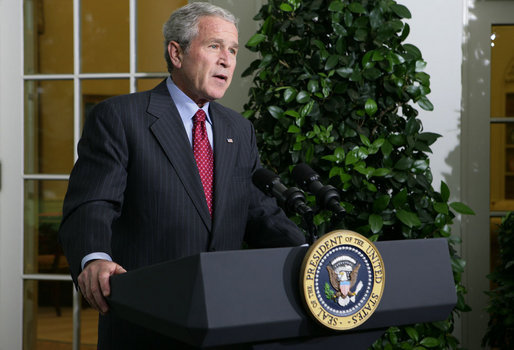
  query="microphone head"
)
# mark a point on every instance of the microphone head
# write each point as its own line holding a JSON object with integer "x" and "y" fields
{"x": 303, "y": 175}
{"x": 264, "y": 180}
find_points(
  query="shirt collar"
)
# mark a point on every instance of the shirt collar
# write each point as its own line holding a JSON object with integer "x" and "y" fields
{"x": 186, "y": 106}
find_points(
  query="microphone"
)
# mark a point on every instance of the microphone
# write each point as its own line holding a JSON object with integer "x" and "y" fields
{"x": 327, "y": 196}
{"x": 292, "y": 198}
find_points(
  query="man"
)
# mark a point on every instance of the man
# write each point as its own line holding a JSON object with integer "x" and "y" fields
{"x": 166, "y": 173}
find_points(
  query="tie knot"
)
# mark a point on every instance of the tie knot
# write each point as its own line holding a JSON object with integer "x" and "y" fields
{"x": 199, "y": 116}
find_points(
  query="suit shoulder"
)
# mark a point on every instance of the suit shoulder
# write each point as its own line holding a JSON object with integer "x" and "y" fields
{"x": 235, "y": 117}
{"x": 126, "y": 101}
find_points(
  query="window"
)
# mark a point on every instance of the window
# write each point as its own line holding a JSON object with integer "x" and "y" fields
{"x": 76, "y": 53}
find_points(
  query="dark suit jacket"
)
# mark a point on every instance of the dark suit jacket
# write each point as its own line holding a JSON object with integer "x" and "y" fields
{"x": 135, "y": 192}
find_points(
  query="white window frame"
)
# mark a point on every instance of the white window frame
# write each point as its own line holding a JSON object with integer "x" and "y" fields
{"x": 77, "y": 78}
{"x": 476, "y": 122}
{"x": 11, "y": 184}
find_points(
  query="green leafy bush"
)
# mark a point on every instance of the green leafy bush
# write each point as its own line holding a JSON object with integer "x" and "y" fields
{"x": 335, "y": 87}
{"x": 500, "y": 330}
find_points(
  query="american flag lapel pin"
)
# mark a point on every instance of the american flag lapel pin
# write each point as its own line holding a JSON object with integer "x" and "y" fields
{"x": 229, "y": 140}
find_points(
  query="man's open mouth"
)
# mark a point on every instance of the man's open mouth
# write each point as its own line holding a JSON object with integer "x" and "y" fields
{"x": 221, "y": 76}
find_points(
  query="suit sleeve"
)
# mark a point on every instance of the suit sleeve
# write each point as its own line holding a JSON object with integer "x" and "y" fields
{"x": 96, "y": 186}
{"x": 268, "y": 225}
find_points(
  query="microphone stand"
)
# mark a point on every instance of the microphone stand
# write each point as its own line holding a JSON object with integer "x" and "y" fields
{"x": 295, "y": 202}
{"x": 312, "y": 230}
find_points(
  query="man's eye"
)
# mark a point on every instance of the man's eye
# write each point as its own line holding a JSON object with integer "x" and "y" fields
{"x": 214, "y": 46}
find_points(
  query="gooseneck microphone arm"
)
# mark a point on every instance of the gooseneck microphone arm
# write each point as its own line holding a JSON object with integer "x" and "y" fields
{"x": 291, "y": 198}
{"x": 327, "y": 196}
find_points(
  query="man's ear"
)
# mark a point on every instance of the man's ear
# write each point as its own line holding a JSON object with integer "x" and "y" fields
{"x": 175, "y": 53}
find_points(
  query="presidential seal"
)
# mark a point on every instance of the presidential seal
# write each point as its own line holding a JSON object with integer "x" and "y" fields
{"x": 342, "y": 279}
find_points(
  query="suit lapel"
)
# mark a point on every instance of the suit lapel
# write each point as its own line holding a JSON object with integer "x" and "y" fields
{"x": 169, "y": 132}
{"x": 225, "y": 151}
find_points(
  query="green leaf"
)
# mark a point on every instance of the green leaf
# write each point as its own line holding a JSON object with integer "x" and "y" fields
{"x": 292, "y": 113}
{"x": 335, "y": 6}
{"x": 339, "y": 154}
{"x": 366, "y": 59}
{"x": 429, "y": 137}
{"x": 372, "y": 73}
{"x": 339, "y": 30}
{"x": 423, "y": 78}
{"x": 371, "y": 187}
{"x": 404, "y": 163}
{"x": 420, "y": 65}
{"x": 381, "y": 203}
{"x": 425, "y": 103}
{"x": 408, "y": 218}
{"x": 386, "y": 148}
{"x": 248, "y": 113}
{"x": 400, "y": 198}
{"x": 303, "y": 97}
{"x": 420, "y": 165}
{"x": 293, "y": 129}
{"x": 289, "y": 94}
{"x": 360, "y": 34}
{"x": 356, "y": 7}
{"x": 401, "y": 11}
{"x": 255, "y": 40}
{"x": 275, "y": 111}
{"x": 413, "y": 334}
{"x": 375, "y": 223}
{"x": 370, "y": 107}
{"x": 412, "y": 51}
{"x": 352, "y": 157}
{"x": 334, "y": 171}
{"x": 381, "y": 172}
{"x": 429, "y": 342}
{"x": 306, "y": 109}
{"x": 364, "y": 140}
{"x": 377, "y": 56}
{"x": 344, "y": 72}
{"x": 445, "y": 191}
{"x": 312, "y": 86}
{"x": 332, "y": 62}
{"x": 462, "y": 208}
{"x": 441, "y": 208}
{"x": 286, "y": 7}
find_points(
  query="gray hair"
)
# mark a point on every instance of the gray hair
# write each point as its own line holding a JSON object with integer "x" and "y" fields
{"x": 182, "y": 26}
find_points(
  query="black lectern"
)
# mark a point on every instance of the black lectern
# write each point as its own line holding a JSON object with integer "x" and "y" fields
{"x": 253, "y": 297}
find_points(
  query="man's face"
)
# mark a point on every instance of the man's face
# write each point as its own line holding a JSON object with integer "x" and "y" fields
{"x": 205, "y": 71}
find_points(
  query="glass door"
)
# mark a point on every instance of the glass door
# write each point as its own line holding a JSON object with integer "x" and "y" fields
{"x": 76, "y": 54}
{"x": 488, "y": 147}
{"x": 502, "y": 128}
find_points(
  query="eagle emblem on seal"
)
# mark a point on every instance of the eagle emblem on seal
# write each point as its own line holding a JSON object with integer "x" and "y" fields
{"x": 343, "y": 273}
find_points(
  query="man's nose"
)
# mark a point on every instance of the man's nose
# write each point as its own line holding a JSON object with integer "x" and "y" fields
{"x": 225, "y": 59}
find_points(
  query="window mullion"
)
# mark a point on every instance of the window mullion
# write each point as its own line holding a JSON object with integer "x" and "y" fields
{"x": 77, "y": 45}
{"x": 133, "y": 43}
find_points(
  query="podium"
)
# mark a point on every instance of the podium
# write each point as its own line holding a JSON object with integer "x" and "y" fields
{"x": 252, "y": 297}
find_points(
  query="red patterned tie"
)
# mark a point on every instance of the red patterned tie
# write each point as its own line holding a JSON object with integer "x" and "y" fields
{"x": 203, "y": 155}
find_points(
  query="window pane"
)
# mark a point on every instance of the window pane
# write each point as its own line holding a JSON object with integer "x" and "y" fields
{"x": 502, "y": 105}
{"x": 148, "y": 84}
{"x": 95, "y": 91}
{"x": 105, "y": 36}
{"x": 88, "y": 327}
{"x": 48, "y": 36}
{"x": 43, "y": 213}
{"x": 48, "y": 126}
{"x": 48, "y": 317}
{"x": 151, "y": 16}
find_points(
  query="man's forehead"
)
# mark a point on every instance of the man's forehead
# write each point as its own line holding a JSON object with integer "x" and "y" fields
{"x": 216, "y": 23}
